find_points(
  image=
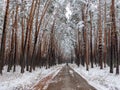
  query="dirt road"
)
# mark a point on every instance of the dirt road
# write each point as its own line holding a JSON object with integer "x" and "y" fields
{"x": 68, "y": 79}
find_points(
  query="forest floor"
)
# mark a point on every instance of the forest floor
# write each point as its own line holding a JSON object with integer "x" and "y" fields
{"x": 66, "y": 79}
{"x": 18, "y": 81}
{"x": 60, "y": 76}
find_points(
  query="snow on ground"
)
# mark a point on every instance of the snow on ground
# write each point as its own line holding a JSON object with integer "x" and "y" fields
{"x": 18, "y": 81}
{"x": 101, "y": 79}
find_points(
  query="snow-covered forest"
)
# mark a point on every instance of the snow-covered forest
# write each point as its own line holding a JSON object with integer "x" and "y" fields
{"x": 45, "y": 33}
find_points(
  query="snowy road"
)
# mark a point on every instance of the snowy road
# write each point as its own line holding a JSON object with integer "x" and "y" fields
{"x": 68, "y": 79}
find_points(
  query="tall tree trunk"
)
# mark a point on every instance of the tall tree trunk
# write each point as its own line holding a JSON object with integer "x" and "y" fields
{"x": 11, "y": 53}
{"x": 86, "y": 38}
{"x": 3, "y": 41}
{"x": 114, "y": 41}
{"x": 91, "y": 49}
{"x": 16, "y": 40}
{"x": 105, "y": 36}
{"x": 22, "y": 37}
{"x": 100, "y": 36}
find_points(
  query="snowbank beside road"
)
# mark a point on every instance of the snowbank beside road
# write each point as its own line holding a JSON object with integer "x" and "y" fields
{"x": 100, "y": 79}
{"x": 18, "y": 81}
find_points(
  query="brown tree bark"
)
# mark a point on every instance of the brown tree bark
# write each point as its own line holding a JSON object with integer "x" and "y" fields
{"x": 100, "y": 36}
{"x": 3, "y": 41}
{"x": 91, "y": 44}
{"x": 16, "y": 40}
{"x": 113, "y": 37}
{"x": 105, "y": 36}
{"x": 11, "y": 53}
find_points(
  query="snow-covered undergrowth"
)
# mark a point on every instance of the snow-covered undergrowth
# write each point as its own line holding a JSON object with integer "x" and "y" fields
{"x": 101, "y": 79}
{"x": 18, "y": 81}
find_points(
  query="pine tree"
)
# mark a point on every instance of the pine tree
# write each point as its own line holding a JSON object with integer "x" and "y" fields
{"x": 3, "y": 41}
{"x": 100, "y": 36}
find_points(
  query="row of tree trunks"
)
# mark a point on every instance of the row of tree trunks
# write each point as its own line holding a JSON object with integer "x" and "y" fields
{"x": 30, "y": 43}
{"x": 104, "y": 49}
{"x": 114, "y": 41}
